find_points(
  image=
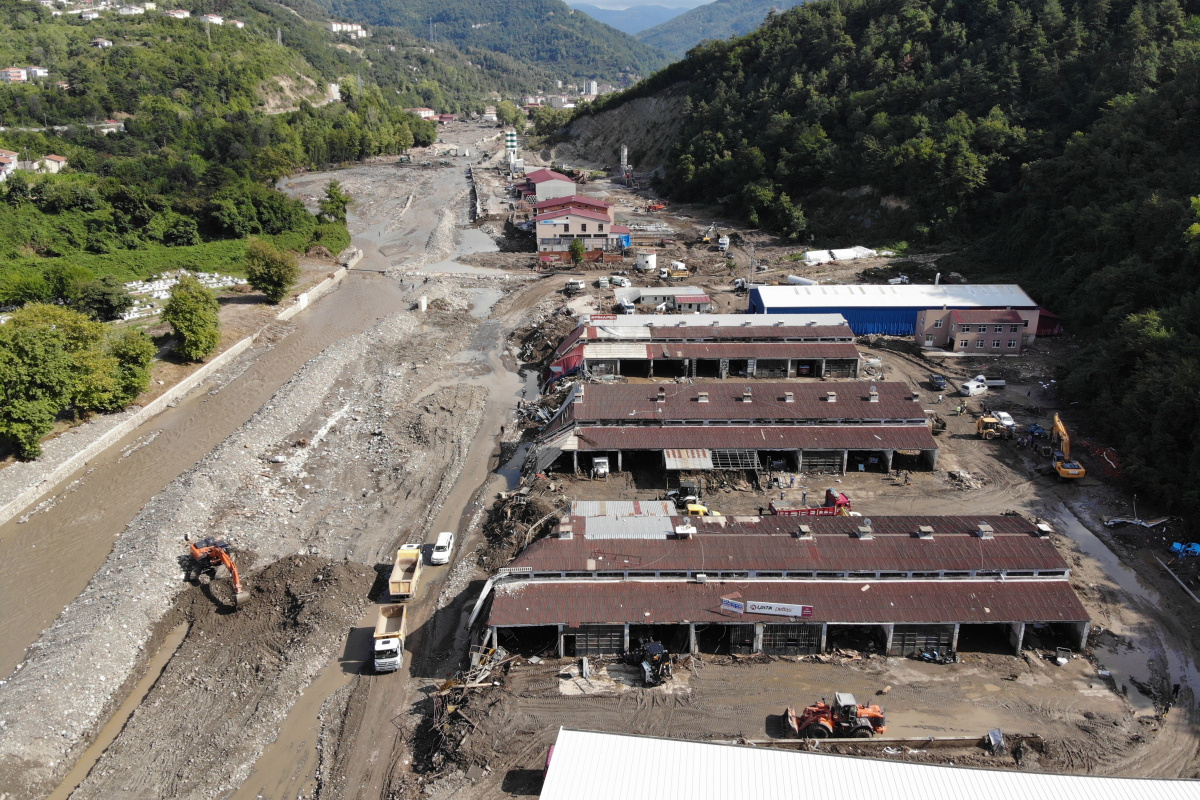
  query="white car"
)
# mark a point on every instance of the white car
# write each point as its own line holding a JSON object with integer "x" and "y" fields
{"x": 1005, "y": 419}
{"x": 442, "y": 548}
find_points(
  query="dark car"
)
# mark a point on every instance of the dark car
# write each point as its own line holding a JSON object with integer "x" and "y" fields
{"x": 937, "y": 381}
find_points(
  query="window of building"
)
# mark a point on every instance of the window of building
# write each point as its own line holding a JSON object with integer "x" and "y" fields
{"x": 966, "y": 328}
{"x": 996, "y": 343}
{"x": 602, "y": 227}
{"x": 1012, "y": 343}
{"x": 583, "y": 227}
{"x": 938, "y": 323}
{"x": 1013, "y": 328}
{"x": 928, "y": 339}
{"x": 1024, "y": 323}
{"x": 963, "y": 342}
{"x": 999, "y": 329}
{"x": 979, "y": 343}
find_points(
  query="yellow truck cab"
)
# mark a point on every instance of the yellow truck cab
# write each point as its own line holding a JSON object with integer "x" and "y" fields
{"x": 697, "y": 510}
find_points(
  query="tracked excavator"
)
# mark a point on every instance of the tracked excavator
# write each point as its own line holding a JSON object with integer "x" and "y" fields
{"x": 209, "y": 555}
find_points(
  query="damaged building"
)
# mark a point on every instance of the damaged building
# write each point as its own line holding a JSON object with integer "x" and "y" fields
{"x": 709, "y": 346}
{"x": 789, "y": 427}
{"x": 788, "y": 586}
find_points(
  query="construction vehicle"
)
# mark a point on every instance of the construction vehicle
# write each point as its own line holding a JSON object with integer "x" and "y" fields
{"x": 989, "y": 428}
{"x": 708, "y": 234}
{"x": 406, "y": 572}
{"x": 391, "y": 626}
{"x": 209, "y": 557}
{"x": 936, "y": 422}
{"x": 836, "y": 505}
{"x": 1190, "y": 550}
{"x": 655, "y": 662}
{"x": 1060, "y": 441}
{"x": 656, "y": 206}
{"x": 687, "y": 493}
{"x": 844, "y": 719}
{"x": 723, "y": 244}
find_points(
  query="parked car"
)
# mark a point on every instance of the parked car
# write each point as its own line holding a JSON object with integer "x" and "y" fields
{"x": 1005, "y": 419}
{"x": 937, "y": 381}
{"x": 442, "y": 548}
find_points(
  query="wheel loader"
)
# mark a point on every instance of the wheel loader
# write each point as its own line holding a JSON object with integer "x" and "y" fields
{"x": 844, "y": 719}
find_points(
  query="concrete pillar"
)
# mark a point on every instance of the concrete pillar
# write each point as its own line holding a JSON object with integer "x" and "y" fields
{"x": 619, "y": 467}
{"x": 889, "y": 629}
{"x": 495, "y": 634}
{"x": 824, "y": 635}
{"x": 1083, "y": 630}
{"x": 652, "y": 368}
{"x": 845, "y": 460}
{"x": 575, "y": 459}
{"x": 758, "y": 638}
{"x": 820, "y": 369}
{"x": 561, "y": 649}
{"x": 1016, "y": 636}
{"x": 625, "y": 641}
{"x": 931, "y": 458}
{"x": 954, "y": 639}
{"x": 887, "y": 460}
{"x": 692, "y": 639}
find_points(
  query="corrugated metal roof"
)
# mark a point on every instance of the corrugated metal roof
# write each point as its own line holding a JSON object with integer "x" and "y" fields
{"x": 756, "y": 437}
{"x": 720, "y": 320}
{"x": 622, "y": 508}
{"x": 631, "y": 402}
{"x": 796, "y": 350}
{"x": 769, "y": 543}
{"x": 603, "y": 350}
{"x": 998, "y": 315}
{"x": 597, "y": 602}
{"x": 903, "y": 296}
{"x": 692, "y": 298}
{"x": 639, "y": 528}
{"x": 610, "y": 766}
{"x": 764, "y": 332}
{"x": 688, "y": 459}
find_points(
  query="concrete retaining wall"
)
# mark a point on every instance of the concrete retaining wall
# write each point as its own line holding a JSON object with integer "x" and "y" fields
{"x": 154, "y": 407}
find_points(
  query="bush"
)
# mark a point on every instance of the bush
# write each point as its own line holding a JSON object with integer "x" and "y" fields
{"x": 270, "y": 270}
{"x": 194, "y": 314}
{"x": 103, "y": 299}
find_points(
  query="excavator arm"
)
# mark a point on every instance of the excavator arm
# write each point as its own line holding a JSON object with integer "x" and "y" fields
{"x": 209, "y": 552}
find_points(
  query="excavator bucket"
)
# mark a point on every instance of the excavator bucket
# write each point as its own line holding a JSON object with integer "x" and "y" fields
{"x": 241, "y": 598}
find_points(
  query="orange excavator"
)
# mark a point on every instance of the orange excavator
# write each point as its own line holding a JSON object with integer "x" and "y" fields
{"x": 208, "y": 555}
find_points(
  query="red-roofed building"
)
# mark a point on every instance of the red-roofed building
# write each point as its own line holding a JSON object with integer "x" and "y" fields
{"x": 788, "y": 585}
{"x": 978, "y": 331}
{"x": 576, "y": 201}
{"x": 545, "y": 184}
{"x": 422, "y": 112}
{"x": 555, "y": 230}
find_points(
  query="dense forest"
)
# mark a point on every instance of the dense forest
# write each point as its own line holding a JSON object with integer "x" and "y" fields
{"x": 719, "y": 19}
{"x": 1051, "y": 142}
{"x": 546, "y": 33}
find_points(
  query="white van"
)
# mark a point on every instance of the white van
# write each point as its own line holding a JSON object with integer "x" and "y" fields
{"x": 972, "y": 388}
{"x": 442, "y": 548}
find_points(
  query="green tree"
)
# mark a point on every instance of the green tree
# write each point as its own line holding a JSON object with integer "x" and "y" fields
{"x": 508, "y": 113}
{"x": 270, "y": 270}
{"x": 333, "y": 204}
{"x": 134, "y": 352}
{"x": 45, "y": 357}
{"x": 103, "y": 299}
{"x": 64, "y": 281}
{"x": 183, "y": 232}
{"x": 576, "y": 250}
{"x": 20, "y": 288}
{"x": 194, "y": 314}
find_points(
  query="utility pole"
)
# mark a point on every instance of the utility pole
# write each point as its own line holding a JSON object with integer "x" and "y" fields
{"x": 279, "y": 36}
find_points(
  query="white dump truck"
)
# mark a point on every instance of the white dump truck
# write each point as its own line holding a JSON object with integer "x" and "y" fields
{"x": 406, "y": 572}
{"x": 390, "y": 629}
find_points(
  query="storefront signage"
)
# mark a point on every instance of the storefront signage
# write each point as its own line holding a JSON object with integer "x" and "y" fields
{"x": 729, "y": 604}
{"x": 602, "y": 317}
{"x": 779, "y": 609}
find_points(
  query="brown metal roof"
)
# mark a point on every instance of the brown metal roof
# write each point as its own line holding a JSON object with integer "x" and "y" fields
{"x": 735, "y": 332}
{"x": 575, "y": 603}
{"x": 769, "y": 543}
{"x": 798, "y": 350}
{"x": 755, "y": 437}
{"x": 986, "y": 315}
{"x": 639, "y": 402}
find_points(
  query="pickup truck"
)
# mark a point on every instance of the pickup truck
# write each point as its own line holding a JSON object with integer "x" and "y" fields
{"x": 406, "y": 572}
{"x": 991, "y": 383}
{"x": 390, "y": 629}
{"x": 574, "y": 286}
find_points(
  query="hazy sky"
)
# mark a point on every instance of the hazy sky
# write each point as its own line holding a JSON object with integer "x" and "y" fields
{"x": 630, "y": 3}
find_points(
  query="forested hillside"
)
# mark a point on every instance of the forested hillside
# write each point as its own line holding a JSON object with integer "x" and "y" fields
{"x": 1051, "y": 142}
{"x": 546, "y": 33}
{"x": 719, "y": 19}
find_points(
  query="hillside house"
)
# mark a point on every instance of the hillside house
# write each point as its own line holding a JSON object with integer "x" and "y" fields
{"x": 130, "y": 11}
{"x": 489, "y": 114}
{"x": 212, "y": 19}
{"x": 89, "y": 15}
{"x": 556, "y": 229}
{"x": 37, "y": 72}
{"x": 177, "y": 13}
{"x": 13, "y": 75}
{"x": 422, "y": 112}
{"x": 52, "y": 164}
{"x": 101, "y": 43}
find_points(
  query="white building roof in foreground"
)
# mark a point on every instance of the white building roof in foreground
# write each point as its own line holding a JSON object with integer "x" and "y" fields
{"x": 603, "y": 766}
{"x": 723, "y": 320}
{"x": 963, "y": 295}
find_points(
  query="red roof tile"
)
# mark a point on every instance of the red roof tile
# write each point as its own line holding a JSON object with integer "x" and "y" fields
{"x": 638, "y": 402}
{"x": 709, "y": 332}
{"x": 619, "y": 229}
{"x": 693, "y": 298}
{"x": 574, "y": 602}
{"x": 555, "y": 202}
{"x": 753, "y": 437}
{"x": 543, "y": 175}
{"x": 796, "y": 350}
{"x": 986, "y": 315}
{"x": 573, "y": 212}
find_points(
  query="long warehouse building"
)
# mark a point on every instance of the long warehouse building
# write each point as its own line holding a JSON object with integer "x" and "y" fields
{"x": 788, "y": 586}
{"x": 919, "y": 310}
{"x": 798, "y": 427}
